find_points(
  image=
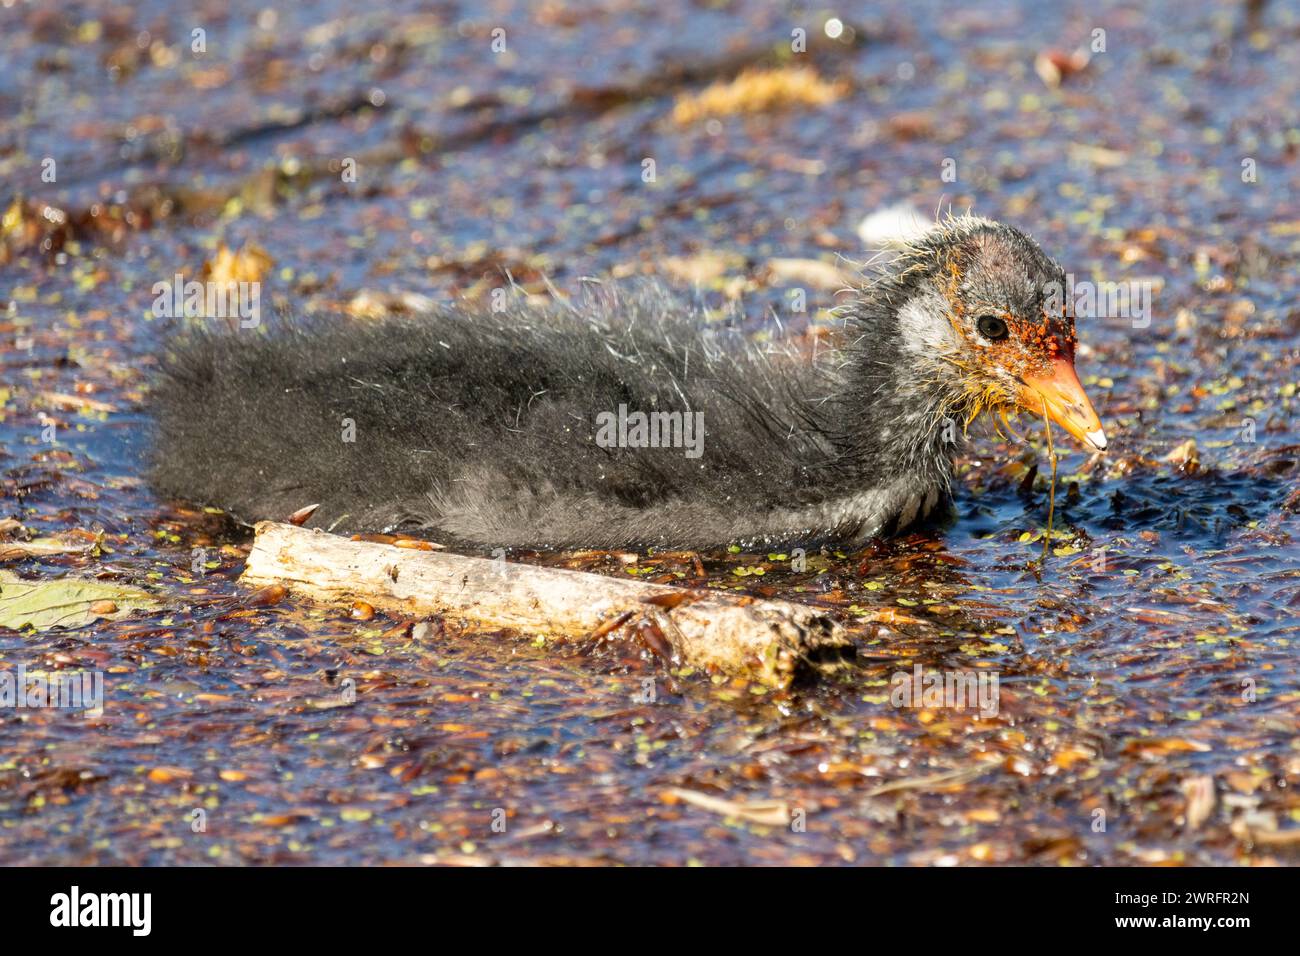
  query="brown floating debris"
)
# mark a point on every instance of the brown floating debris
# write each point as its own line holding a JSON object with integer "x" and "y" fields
{"x": 612, "y": 624}
{"x": 1259, "y": 828}
{"x": 670, "y": 600}
{"x": 250, "y": 263}
{"x": 169, "y": 774}
{"x": 775, "y": 813}
{"x": 758, "y": 91}
{"x": 65, "y": 400}
{"x": 398, "y": 541}
{"x": 942, "y": 780}
{"x": 1187, "y": 457}
{"x": 1156, "y": 747}
{"x": 767, "y": 640}
{"x": 1054, "y": 66}
{"x": 271, "y": 594}
{"x": 652, "y": 635}
{"x": 15, "y": 549}
{"x": 416, "y": 544}
{"x": 1201, "y": 800}
{"x": 299, "y": 517}
{"x": 807, "y": 272}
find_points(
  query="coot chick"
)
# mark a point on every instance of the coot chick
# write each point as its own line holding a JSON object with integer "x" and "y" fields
{"x": 623, "y": 419}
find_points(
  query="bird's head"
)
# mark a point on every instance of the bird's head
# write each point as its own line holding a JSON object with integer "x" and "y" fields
{"x": 979, "y": 320}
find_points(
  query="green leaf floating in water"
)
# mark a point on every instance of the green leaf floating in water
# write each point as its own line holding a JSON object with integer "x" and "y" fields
{"x": 65, "y": 602}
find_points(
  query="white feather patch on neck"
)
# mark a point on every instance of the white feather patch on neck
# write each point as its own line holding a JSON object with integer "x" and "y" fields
{"x": 924, "y": 326}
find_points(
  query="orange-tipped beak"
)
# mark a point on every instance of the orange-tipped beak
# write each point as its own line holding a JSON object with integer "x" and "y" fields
{"x": 1061, "y": 397}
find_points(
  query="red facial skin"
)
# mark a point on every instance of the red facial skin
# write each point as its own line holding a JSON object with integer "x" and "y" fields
{"x": 1049, "y": 386}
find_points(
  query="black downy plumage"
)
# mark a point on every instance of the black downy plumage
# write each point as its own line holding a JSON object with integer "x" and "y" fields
{"x": 499, "y": 429}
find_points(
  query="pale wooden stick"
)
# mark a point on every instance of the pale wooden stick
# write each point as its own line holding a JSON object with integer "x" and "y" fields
{"x": 719, "y": 632}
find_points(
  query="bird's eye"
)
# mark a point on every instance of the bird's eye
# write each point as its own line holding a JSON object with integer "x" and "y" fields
{"x": 991, "y": 327}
